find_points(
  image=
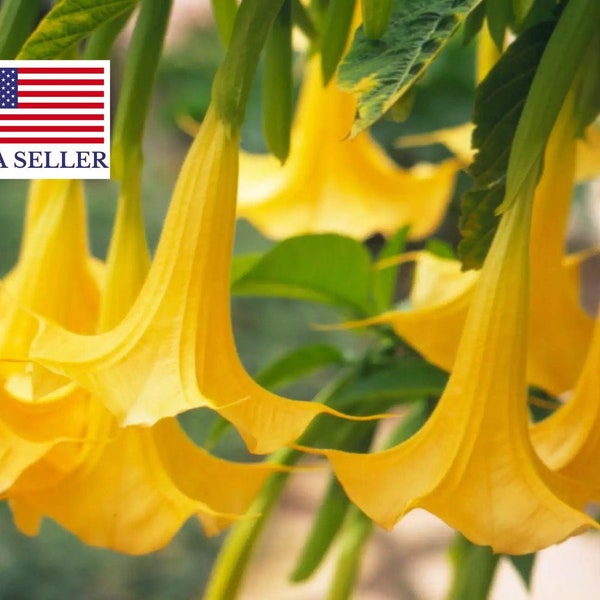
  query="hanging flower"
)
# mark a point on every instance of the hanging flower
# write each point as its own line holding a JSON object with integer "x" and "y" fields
{"x": 334, "y": 184}
{"x": 568, "y": 441}
{"x": 174, "y": 350}
{"x": 125, "y": 488}
{"x": 560, "y": 329}
{"x": 54, "y": 277}
{"x": 473, "y": 464}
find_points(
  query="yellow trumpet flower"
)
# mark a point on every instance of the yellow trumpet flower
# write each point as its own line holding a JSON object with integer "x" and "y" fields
{"x": 134, "y": 487}
{"x": 126, "y": 488}
{"x": 560, "y": 329}
{"x": 338, "y": 185}
{"x": 174, "y": 350}
{"x": 569, "y": 440}
{"x": 53, "y": 277}
{"x": 472, "y": 464}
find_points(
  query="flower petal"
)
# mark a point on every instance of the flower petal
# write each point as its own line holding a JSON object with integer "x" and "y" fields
{"x": 174, "y": 350}
{"x": 135, "y": 487}
{"x": 472, "y": 463}
{"x": 334, "y": 184}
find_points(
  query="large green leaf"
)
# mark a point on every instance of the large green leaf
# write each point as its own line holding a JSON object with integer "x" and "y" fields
{"x": 499, "y": 103}
{"x": 403, "y": 380}
{"x": 328, "y": 268}
{"x": 298, "y": 363}
{"x": 68, "y": 23}
{"x": 379, "y": 72}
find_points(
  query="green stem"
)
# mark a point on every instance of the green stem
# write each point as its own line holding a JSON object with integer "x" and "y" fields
{"x": 230, "y": 567}
{"x": 357, "y": 527}
{"x": 278, "y": 84}
{"x": 224, "y": 12}
{"x": 302, "y": 19}
{"x": 138, "y": 80}
{"x": 231, "y": 564}
{"x": 355, "y": 534}
{"x": 100, "y": 43}
{"x": 474, "y": 568}
{"x": 232, "y": 83}
{"x": 17, "y": 18}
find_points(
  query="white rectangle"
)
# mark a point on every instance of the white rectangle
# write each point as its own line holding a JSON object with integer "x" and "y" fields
{"x": 55, "y": 119}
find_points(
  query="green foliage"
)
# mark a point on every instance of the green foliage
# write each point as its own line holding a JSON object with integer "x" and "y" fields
{"x": 278, "y": 84}
{"x": 397, "y": 382}
{"x": 524, "y": 564}
{"x": 587, "y": 100}
{"x": 328, "y": 268}
{"x": 474, "y": 22}
{"x": 521, "y": 8}
{"x": 224, "y": 12}
{"x": 376, "y": 17}
{"x": 499, "y": 15}
{"x": 233, "y": 80}
{"x": 298, "y": 363}
{"x": 325, "y": 527}
{"x": 69, "y": 22}
{"x": 379, "y": 72}
{"x": 566, "y": 50}
{"x": 474, "y": 568}
{"x": 384, "y": 280}
{"x": 16, "y": 21}
{"x": 499, "y": 103}
{"x": 336, "y": 29}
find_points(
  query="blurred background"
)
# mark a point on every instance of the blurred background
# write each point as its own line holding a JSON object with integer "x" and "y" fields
{"x": 408, "y": 564}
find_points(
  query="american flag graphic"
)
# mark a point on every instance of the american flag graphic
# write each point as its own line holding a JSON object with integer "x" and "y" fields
{"x": 65, "y": 103}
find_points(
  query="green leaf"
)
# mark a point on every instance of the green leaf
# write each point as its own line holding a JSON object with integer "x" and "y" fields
{"x": 565, "y": 52}
{"x": 499, "y": 15}
{"x": 328, "y": 268}
{"x": 336, "y": 30}
{"x": 299, "y": 362}
{"x": 17, "y": 18}
{"x": 403, "y": 380}
{"x": 440, "y": 248}
{"x": 474, "y": 22}
{"x": 376, "y": 17}
{"x": 524, "y": 564}
{"x": 278, "y": 84}
{"x": 384, "y": 280}
{"x": 303, "y": 20}
{"x": 233, "y": 81}
{"x": 68, "y": 23}
{"x": 474, "y": 568}
{"x": 587, "y": 101}
{"x": 325, "y": 527}
{"x": 522, "y": 8}
{"x": 499, "y": 102}
{"x": 224, "y": 12}
{"x": 379, "y": 72}
{"x": 242, "y": 263}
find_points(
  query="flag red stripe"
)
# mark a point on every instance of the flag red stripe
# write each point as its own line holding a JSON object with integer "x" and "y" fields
{"x": 59, "y": 70}
{"x": 52, "y": 128}
{"x": 61, "y": 94}
{"x": 22, "y": 117}
{"x": 60, "y": 81}
{"x": 56, "y": 140}
{"x": 61, "y": 105}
